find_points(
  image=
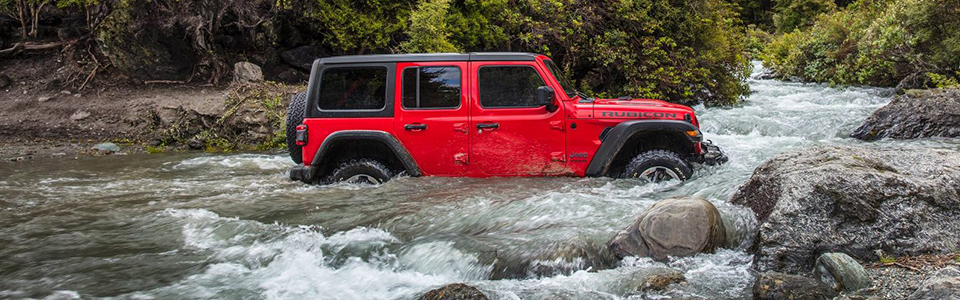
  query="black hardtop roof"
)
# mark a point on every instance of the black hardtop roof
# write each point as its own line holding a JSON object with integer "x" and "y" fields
{"x": 425, "y": 57}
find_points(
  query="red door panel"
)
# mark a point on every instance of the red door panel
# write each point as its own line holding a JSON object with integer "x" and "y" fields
{"x": 508, "y": 140}
{"x": 434, "y": 131}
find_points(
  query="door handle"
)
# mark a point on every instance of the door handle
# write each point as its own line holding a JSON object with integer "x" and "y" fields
{"x": 488, "y": 125}
{"x": 415, "y": 127}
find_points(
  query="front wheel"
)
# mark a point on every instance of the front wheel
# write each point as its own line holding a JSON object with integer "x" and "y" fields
{"x": 658, "y": 166}
{"x": 361, "y": 171}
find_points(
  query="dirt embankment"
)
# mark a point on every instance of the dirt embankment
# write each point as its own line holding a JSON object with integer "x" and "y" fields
{"x": 47, "y": 113}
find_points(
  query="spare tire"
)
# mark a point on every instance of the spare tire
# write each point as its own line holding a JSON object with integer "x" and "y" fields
{"x": 295, "y": 114}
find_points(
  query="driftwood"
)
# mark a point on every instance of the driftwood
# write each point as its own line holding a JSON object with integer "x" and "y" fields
{"x": 29, "y": 46}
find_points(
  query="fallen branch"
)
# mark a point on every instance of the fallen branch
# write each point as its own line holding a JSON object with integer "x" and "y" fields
{"x": 29, "y": 46}
{"x": 164, "y": 82}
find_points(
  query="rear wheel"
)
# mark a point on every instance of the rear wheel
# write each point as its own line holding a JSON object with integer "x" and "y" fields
{"x": 657, "y": 166}
{"x": 295, "y": 113}
{"x": 361, "y": 171}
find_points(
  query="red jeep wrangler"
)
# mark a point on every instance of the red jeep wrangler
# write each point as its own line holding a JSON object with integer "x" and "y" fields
{"x": 368, "y": 118}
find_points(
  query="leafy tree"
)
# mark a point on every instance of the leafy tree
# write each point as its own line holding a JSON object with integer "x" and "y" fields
{"x": 428, "y": 28}
{"x": 800, "y": 14}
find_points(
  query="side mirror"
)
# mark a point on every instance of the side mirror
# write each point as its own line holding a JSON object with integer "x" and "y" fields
{"x": 545, "y": 98}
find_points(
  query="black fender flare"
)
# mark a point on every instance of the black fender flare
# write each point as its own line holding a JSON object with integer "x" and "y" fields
{"x": 616, "y": 139}
{"x": 381, "y": 136}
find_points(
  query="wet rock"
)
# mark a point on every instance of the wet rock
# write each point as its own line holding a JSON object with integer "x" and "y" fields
{"x": 456, "y": 291}
{"x": 777, "y": 286}
{"x": 944, "y": 285}
{"x": 658, "y": 279}
{"x": 768, "y": 74}
{"x": 916, "y": 114}
{"x": 842, "y": 273}
{"x": 79, "y": 115}
{"x": 301, "y": 57}
{"x": 106, "y": 147}
{"x": 852, "y": 200}
{"x": 246, "y": 72}
{"x": 672, "y": 227}
{"x": 195, "y": 144}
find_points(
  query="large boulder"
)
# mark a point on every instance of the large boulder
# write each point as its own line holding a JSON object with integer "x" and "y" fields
{"x": 852, "y": 200}
{"x": 142, "y": 51}
{"x": 944, "y": 285}
{"x": 777, "y": 286}
{"x": 916, "y": 114}
{"x": 247, "y": 72}
{"x": 672, "y": 227}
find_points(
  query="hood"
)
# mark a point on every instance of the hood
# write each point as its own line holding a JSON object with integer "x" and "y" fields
{"x": 641, "y": 109}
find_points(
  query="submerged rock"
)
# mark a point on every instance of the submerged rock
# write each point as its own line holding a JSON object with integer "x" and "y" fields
{"x": 852, "y": 200}
{"x": 842, "y": 273}
{"x": 778, "y": 286}
{"x": 944, "y": 285}
{"x": 456, "y": 291}
{"x": 107, "y": 147}
{"x": 672, "y": 227}
{"x": 657, "y": 279}
{"x": 561, "y": 257}
{"x": 916, "y": 114}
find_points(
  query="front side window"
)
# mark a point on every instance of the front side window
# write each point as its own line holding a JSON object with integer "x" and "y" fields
{"x": 509, "y": 86}
{"x": 353, "y": 88}
{"x": 431, "y": 87}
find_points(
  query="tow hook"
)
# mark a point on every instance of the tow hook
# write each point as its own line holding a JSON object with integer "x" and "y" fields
{"x": 712, "y": 155}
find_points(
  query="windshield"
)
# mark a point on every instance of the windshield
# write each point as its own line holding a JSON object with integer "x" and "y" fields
{"x": 564, "y": 82}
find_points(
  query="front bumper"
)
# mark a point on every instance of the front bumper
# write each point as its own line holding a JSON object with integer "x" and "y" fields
{"x": 711, "y": 154}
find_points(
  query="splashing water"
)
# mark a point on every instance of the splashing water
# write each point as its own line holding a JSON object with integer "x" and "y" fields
{"x": 198, "y": 226}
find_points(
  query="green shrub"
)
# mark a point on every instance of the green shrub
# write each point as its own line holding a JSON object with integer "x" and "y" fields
{"x": 873, "y": 42}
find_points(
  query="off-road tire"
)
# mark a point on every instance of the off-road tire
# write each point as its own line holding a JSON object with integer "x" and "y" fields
{"x": 295, "y": 113}
{"x": 375, "y": 170}
{"x": 658, "y": 158}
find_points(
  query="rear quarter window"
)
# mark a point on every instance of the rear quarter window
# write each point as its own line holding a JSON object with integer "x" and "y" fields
{"x": 353, "y": 88}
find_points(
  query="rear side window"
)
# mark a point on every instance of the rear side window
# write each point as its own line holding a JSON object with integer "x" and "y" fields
{"x": 353, "y": 88}
{"x": 509, "y": 86}
{"x": 431, "y": 87}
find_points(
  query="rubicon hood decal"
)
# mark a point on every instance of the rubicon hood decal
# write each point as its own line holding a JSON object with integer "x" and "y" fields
{"x": 635, "y": 114}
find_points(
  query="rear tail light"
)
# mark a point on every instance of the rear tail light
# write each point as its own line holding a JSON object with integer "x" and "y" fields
{"x": 301, "y": 135}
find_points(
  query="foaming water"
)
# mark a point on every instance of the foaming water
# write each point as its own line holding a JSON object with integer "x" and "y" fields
{"x": 199, "y": 226}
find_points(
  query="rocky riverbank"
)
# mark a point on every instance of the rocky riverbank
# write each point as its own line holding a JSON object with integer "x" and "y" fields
{"x": 42, "y": 120}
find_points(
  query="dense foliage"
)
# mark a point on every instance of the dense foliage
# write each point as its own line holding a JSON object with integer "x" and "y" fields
{"x": 681, "y": 51}
{"x": 875, "y": 42}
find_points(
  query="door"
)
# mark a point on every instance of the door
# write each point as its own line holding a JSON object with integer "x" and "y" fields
{"x": 510, "y": 133}
{"x": 432, "y": 117}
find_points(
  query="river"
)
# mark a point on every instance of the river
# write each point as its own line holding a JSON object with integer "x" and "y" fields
{"x": 199, "y": 226}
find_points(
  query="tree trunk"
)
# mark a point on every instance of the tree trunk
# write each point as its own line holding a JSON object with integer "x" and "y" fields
{"x": 21, "y": 9}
